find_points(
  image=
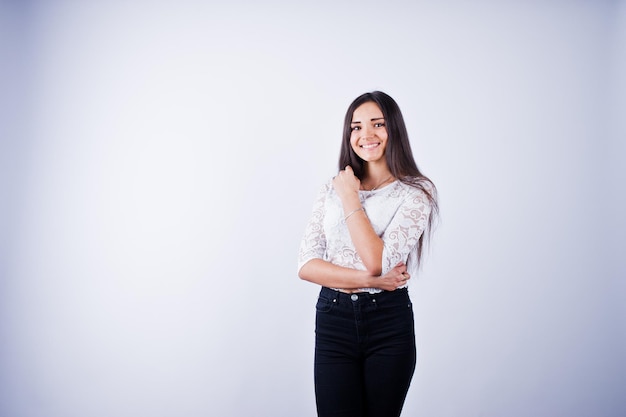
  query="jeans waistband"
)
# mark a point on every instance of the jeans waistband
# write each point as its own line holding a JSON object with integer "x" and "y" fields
{"x": 363, "y": 296}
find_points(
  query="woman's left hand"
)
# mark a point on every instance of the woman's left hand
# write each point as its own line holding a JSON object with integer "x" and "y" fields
{"x": 394, "y": 278}
{"x": 346, "y": 184}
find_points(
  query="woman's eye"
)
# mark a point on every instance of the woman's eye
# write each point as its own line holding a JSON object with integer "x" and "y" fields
{"x": 381, "y": 124}
{"x": 356, "y": 128}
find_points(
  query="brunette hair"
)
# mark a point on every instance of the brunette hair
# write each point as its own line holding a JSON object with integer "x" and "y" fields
{"x": 397, "y": 153}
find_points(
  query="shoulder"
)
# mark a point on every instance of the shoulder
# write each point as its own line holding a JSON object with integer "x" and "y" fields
{"x": 417, "y": 190}
{"x": 410, "y": 186}
{"x": 419, "y": 185}
{"x": 327, "y": 186}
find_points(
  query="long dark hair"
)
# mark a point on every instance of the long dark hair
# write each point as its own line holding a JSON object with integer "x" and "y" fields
{"x": 397, "y": 153}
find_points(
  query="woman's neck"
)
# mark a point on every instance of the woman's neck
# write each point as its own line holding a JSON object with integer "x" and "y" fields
{"x": 376, "y": 176}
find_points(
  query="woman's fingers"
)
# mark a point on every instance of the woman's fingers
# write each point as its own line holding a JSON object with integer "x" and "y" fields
{"x": 403, "y": 278}
{"x": 395, "y": 277}
{"x": 346, "y": 174}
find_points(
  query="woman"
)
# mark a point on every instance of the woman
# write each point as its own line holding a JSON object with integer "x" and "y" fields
{"x": 362, "y": 244}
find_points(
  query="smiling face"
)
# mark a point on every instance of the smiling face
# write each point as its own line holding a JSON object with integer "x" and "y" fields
{"x": 368, "y": 136}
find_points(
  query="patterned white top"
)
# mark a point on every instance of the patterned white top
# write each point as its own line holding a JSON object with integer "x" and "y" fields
{"x": 398, "y": 213}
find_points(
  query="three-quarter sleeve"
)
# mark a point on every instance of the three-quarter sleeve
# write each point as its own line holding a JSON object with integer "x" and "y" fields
{"x": 403, "y": 232}
{"x": 313, "y": 244}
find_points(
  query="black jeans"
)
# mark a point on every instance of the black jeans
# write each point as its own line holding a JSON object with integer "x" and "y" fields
{"x": 364, "y": 353}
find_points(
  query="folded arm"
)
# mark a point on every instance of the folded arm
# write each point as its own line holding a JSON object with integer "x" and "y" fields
{"x": 330, "y": 275}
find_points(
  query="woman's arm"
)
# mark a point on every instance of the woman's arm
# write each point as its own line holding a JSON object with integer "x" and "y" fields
{"x": 330, "y": 275}
{"x": 403, "y": 233}
{"x": 367, "y": 243}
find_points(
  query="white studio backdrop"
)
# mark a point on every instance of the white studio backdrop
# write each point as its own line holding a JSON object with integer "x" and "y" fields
{"x": 159, "y": 161}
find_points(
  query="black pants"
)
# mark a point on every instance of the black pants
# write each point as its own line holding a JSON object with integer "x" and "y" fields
{"x": 364, "y": 353}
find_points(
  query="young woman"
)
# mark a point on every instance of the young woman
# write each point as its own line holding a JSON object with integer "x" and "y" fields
{"x": 362, "y": 244}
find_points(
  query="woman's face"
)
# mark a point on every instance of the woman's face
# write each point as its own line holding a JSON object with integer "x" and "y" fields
{"x": 368, "y": 136}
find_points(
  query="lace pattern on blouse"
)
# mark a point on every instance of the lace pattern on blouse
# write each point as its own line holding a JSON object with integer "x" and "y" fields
{"x": 398, "y": 213}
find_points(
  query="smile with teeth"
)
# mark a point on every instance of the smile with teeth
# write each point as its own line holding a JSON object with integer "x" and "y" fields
{"x": 370, "y": 145}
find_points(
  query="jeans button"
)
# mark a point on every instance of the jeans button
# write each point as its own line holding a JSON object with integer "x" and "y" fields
{"x": 354, "y": 297}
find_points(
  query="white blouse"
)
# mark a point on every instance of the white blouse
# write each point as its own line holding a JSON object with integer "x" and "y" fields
{"x": 398, "y": 213}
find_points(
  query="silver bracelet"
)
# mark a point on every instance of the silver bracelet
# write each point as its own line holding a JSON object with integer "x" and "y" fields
{"x": 352, "y": 212}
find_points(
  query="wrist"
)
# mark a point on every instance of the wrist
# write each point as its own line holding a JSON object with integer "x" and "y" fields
{"x": 369, "y": 281}
{"x": 353, "y": 212}
{"x": 351, "y": 204}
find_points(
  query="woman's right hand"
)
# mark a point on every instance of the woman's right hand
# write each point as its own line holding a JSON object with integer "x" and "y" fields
{"x": 394, "y": 278}
{"x": 347, "y": 185}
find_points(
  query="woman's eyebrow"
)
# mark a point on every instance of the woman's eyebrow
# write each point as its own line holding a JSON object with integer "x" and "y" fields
{"x": 376, "y": 118}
